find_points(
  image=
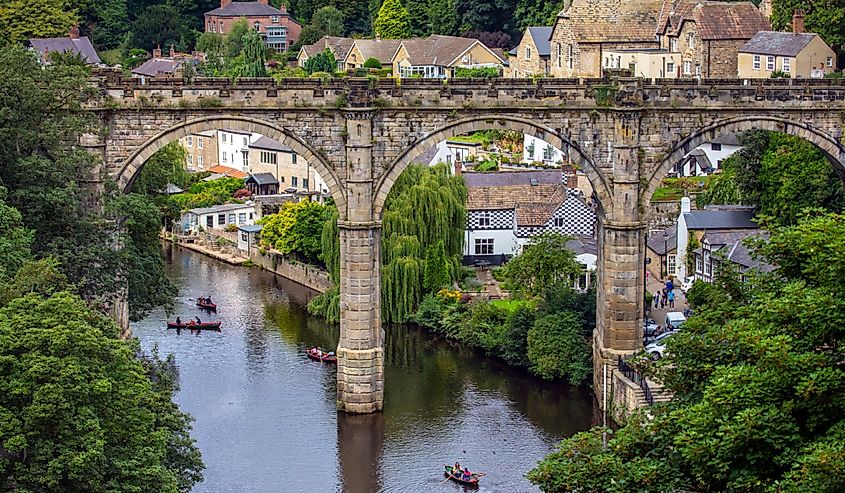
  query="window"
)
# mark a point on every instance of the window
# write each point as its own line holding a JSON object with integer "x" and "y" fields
{"x": 830, "y": 61}
{"x": 293, "y": 158}
{"x": 244, "y": 237}
{"x": 715, "y": 146}
{"x": 190, "y": 140}
{"x": 484, "y": 219}
{"x": 209, "y": 221}
{"x": 699, "y": 266}
{"x": 697, "y": 70}
{"x": 687, "y": 67}
{"x": 571, "y": 57}
{"x": 281, "y": 179}
{"x": 213, "y": 27}
{"x": 225, "y": 157}
{"x": 548, "y": 153}
{"x": 223, "y": 137}
{"x": 268, "y": 157}
{"x": 241, "y": 217}
{"x": 528, "y": 53}
{"x": 673, "y": 44}
{"x": 785, "y": 63}
{"x": 221, "y": 219}
{"x": 231, "y": 217}
{"x": 559, "y": 57}
{"x": 755, "y": 62}
{"x": 221, "y": 27}
{"x": 274, "y": 19}
{"x": 200, "y": 160}
{"x": 305, "y": 183}
{"x": 294, "y": 181}
{"x": 200, "y": 142}
{"x": 670, "y": 68}
{"x": 691, "y": 40}
{"x": 246, "y": 141}
{"x": 672, "y": 263}
{"x": 770, "y": 63}
{"x": 190, "y": 159}
{"x": 250, "y": 215}
{"x": 558, "y": 222}
{"x": 484, "y": 246}
{"x": 257, "y": 26}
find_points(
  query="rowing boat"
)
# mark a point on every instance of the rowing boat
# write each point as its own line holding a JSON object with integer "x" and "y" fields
{"x": 324, "y": 358}
{"x": 195, "y": 326}
{"x": 458, "y": 477}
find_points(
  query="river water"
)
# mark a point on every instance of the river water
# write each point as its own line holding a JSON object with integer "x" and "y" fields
{"x": 265, "y": 414}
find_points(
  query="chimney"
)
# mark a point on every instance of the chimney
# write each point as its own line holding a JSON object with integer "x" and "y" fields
{"x": 263, "y": 1}
{"x": 172, "y": 50}
{"x": 74, "y": 32}
{"x": 157, "y": 52}
{"x": 798, "y": 22}
{"x": 685, "y": 205}
{"x": 224, "y": 3}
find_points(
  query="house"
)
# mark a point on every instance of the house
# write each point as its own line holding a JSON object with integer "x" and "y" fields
{"x": 364, "y": 49}
{"x": 74, "y": 44}
{"x": 248, "y": 236}
{"x": 662, "y": 252}
{"x": 707, "y": 158}
{"x": 537, "y": 150}
{"x": 531, "y": 56}
{"x": 262, "y": 184}
{"x": 218, "y": 217}
{"x": 707, "y": 35}
{"x": 692, "y": 225}
{"x": 233, "y": 147}
{"x": 587, "y": 29}
{"x": 226, "y": 171}
{"x": 338, "y": 46}
{"x": 276, "y": 26}
{"x": 267, "y": 155}
{"x": 642, "y": 62}
{"x": 437, "y": 56}
{"x": 169, "y": 66}
{"x": 200, "y": 150}
{"x": 726, "y": 246}
{"x": 507, "y": 208}
{"x": 798, "y": 54}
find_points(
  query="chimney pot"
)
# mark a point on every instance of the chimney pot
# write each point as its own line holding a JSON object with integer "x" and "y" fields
{"x": 265, "y": 2}
{"x": 172, "y": 50}
{"x": 157, "y": 52}
{"x": 798, "y": 21}
{"x": 224, "y": 3}
{"x": 74, "y": 32}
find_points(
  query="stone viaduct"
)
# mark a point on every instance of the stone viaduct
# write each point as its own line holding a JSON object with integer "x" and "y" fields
{"x": 360, "y": 134}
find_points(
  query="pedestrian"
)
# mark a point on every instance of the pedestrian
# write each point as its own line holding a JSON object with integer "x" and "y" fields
{"x": 669, "y": 285}
{"x": 663, "y": 299}
{"x": 671, "y": 297}
{"x": 656, "y": 299}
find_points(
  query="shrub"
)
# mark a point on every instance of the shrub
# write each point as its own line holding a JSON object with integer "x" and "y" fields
{"x": 557, "y": 349}
{"x": 372, "y": 63}
{"x": 243, "y": 193}
{"x": 478, "y": 72}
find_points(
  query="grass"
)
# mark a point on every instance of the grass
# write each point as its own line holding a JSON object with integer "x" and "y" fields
{"x": 673, "y": 189}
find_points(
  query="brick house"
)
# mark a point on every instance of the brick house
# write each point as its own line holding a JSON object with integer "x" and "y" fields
{"x": 276, "y": 26}
{"x": 531, "y": 55}
{"x": 708, "y": 35}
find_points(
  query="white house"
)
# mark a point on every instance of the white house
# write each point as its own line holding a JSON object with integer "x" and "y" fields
{"x": 507, "y": 208}
{"x": 708, "y": 157}
{"x": 233, "y": 147}
{"x": 538, "y": 150}
{"x": 710, "y": 219}
{"x": 218, "y": 217}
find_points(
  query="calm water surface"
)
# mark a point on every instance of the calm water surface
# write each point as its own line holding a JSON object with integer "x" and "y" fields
{"x": 265, "y": 414}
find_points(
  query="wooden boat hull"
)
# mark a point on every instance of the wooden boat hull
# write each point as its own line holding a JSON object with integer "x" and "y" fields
{"x": 202, "y": 326}
{"x": 323, "y": 359}
{"x": 448, "y": 474}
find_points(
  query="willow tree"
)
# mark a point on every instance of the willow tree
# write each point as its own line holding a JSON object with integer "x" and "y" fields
{"x": 254, "y": 54}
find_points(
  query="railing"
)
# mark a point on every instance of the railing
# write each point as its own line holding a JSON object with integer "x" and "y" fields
{"x": 633, "y": 375}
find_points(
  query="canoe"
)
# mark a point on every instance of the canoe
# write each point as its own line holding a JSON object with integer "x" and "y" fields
{"x": 202, "y": 326}
{"x": 457, "y": 479}
{"x": 325, "y": 358}
{"x": 207, "y": 306}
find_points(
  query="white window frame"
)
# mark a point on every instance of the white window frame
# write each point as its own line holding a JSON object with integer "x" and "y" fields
{"x": 687, "y": 67}
{"x": 484, "y": 220}
{"x": 190, "y": 160}
{"x": 673, "y": 45}
{"x": 200, "y": 142}
{"x": 698, "y": 70}
{"x": 756, "y": 62}
{"x": 190, "y": 140}
{"x": 200, "y": 161}
{"x": 786, "y": 65}
{"x": 571, "y": 51}
{"x": 225, "y": 157}
{"x": 241, "y": 217}
{"x": 670, "y": 68}
{"x": 691, "y": 40}
{"x": 559, "y": 56}
{"x": 671, "y": 264}
{"x": 770, "y": 63}
{"x": 699, "y": 264}
{"x": 274, "y": 19}
{"x": 484, "y": 246}
{"x": 221, "y": 27}
{"x": 829, "y": 61}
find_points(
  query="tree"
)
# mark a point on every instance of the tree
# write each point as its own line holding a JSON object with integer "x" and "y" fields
{"x": 297, "y": 228}
{"x": 15, "y": 240}
{"x": 443, "y": 17}
{"x": 235, "y": 38}
{"x": 372, "y": 63}
{"x": 214, "y": 47}
{"x": 356, "y": 15}
{"x": 106, "y": 22}
{"x": 418, "y": 15}
{"x": 161, "y": 26}
{"x": 254, "y": 53}
{"x": 491, "y": 39}
{"x": 321, "y": 62}
{"x": 436, "y": 274}
{"x": 757, "y": 388}
{"x": 558, "y": 349}
{"x": 79, "y": 411}
{"x": 24, "y": 19}
{"x": 825, "y": 17}
{"x": 393, "y": 21}
{"x": 536, "y": 13}
{"x": 544, "y": 262}
{"x": 327, "y": 21}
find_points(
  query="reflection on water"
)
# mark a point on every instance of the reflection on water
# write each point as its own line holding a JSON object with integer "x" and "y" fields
{"x": 265, "y": 414}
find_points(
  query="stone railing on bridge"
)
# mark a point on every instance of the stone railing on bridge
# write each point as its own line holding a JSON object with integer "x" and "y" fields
{"x": 119, "y": 91}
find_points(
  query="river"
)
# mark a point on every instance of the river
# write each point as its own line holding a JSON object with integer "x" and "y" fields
{"x": 265, "y": 414}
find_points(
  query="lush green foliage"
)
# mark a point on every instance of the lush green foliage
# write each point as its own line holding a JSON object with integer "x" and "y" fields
{"x": 321, "y": 62}
{"x": 477, "y": 72}
{"x": 24, "y": 19}
{"x": 161, "y": 25}
{"x": 393, "y": 21}
{"x": 544, "y": 262}
{"x": 254, "y": 55}
{"x": 557, "y": 349}
{"x": 297, "y": 229}
{"x": 209, "y": 193}
{"x": 758, "y": 387}
{"x": 825, "y": 17}
{"x": 372, "y": 63}
{"x": 781, "y": 174}
{"x": 327, "y": 21}
{"x": 78, "y": 410}
{"x": 15, "y": 240}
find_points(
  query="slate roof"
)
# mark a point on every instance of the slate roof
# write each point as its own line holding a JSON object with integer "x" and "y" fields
{"x": 251, "y": 228}
{"x": 727, "y": 237}
{"x": 380, "y": 49}
{"x": 602, "y": 21}
{"x": 339, "y": 46}
{"x": 79, "y": 46}
{"x": 270, "y": 144}
{"x": 720, "y": 219}
{"x": 542, "y": 39}
{"x": 219, "y": 208}
{"x": 581, "y": 245}
{"x": 657, "y": 244}
{"x": 262, "y": 179}
{"x": 246, "y": 9}
{"x": 438, "y": 49}
{"x": 714, "y": 20}
{"x": 777, "y": 44}
{"x": 157, "y": 66}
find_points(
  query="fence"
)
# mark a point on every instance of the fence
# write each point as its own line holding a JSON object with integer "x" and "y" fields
{"x": 633, "y": 375}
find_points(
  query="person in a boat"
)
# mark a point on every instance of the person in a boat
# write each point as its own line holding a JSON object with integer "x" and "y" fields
{"x": 457, "y": 469}
{"x": 319, "y": 352}
{"x": 178, "y": 321}
{"x": 208, "y": 301}
{"x": 201, "y": 300}
{"x": 466, "y": 475}
{"x": 198, "y": 320}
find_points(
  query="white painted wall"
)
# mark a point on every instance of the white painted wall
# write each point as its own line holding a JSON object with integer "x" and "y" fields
{"x": 231, "y": 148}
{"x": 714, "y": 156}
{"x": 505, "y": 241}
{"x": 683, "y": 241}
{"x": 538, "y": 155}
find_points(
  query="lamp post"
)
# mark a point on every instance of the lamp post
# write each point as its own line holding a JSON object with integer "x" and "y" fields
{"x": 665, "y": 254}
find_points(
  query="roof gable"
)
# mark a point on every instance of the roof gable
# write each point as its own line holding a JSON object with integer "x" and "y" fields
{"x": 78, "y": 46}
{"x": 247, "y": 9}
{"x": 380, "y": 49}
{"x": 602, "y": 21}
{"x": 713, "y": 20}
{"x": 542, "y": 39}
{"x": 776, "y": 43}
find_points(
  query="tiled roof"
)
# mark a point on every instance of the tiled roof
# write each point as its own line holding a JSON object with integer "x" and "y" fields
{"x": 715, "y": 219}
{"x": 246, "y": 9}
{"x": 714, "y": 20}
{"x": 581, "y": 245}
{"x": 380, "y": 49}
{"x": 339, "y": 46}
{"x": 270, "y": 144}
{"x": 157, "y": 66}
{"x": 80, "y": 46}
{"x": 777, "y": 44}
{"x": 438, "y": 49}
{"x": 660, "y": 244}
{"x": 226, "y": 170}
{"x": 263, "y": 179}
{"x": 535, "y": 213}
{"x": 512, "y": 189}
{"x": 597, "y": 21}
{"x": 542, "y": 39}
{"x": 727, "y": 237}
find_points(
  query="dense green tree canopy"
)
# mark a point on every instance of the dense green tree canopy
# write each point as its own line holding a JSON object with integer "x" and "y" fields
{"x": 758, "y": 388}
{"x": 393, "y": 21}
{"x": 161, "y": 25}
{"x": 297, "y": 228}
{"x": 825, "y": 17}
{"x": 24, "y": 19}
{"x": 254, "y": 54}
{"x": 327, "y": 21}
{"x": 321, "y": 62}
{"x": 544, "y": 262}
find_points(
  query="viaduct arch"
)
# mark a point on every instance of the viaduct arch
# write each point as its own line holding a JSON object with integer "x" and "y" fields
{"x": 361, "y": 134}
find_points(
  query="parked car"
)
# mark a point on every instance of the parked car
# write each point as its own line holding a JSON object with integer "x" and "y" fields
{"x": 657, "y": 348}
{"x": 686, "y": 285}
{"x": 674, "y": 320}
{"x": 649, "y": 326}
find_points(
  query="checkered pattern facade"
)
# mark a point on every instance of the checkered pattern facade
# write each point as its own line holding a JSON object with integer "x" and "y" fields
{"x": 498, "y": 219}
{"x": 573, "y": 217}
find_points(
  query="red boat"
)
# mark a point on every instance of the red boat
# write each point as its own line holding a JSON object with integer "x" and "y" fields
{"x": 206, "y": 305}
{"x": 458, "y": 477}
{"x": 195, "y": 326}
{"x": 324, "y": 357}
